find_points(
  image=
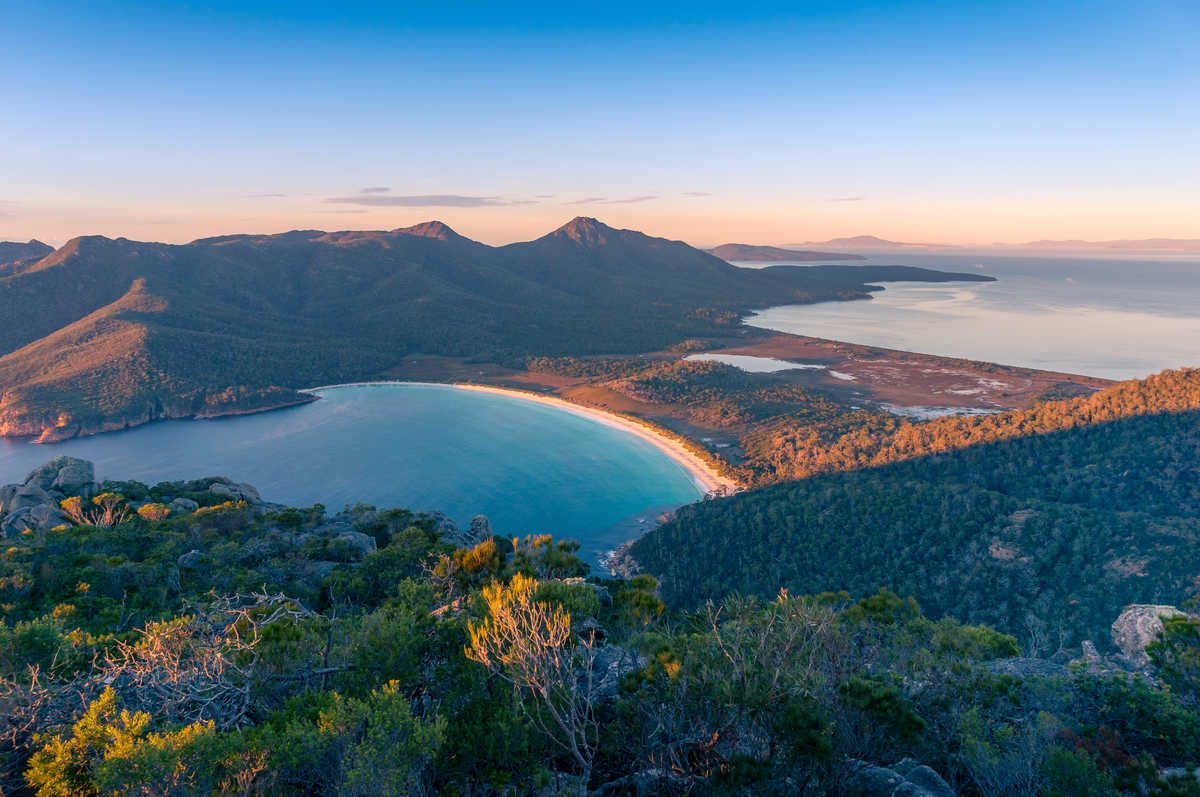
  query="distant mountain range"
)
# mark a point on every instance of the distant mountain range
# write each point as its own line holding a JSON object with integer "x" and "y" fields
{"x": 103, "y": 333}
{"x": 868, "y": 242}
{"x": 766, "y": 254}
{"x": 860, "y": 242}
{"x": 1142, "y": 244}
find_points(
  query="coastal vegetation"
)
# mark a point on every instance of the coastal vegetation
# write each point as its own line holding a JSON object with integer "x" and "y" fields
{"x": 1041, "y": 523}
{"x": 233, "y": 646}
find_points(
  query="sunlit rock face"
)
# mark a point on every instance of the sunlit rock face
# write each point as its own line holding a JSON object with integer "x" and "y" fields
{"x": 1137, "y": 626}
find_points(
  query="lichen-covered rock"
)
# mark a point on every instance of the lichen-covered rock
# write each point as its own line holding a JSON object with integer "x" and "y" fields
{"x": 905, "y": 778}
{"x": 189, "y": 560}
{"x": 15, "y": 523}
{"x": 235, "y": 492}
{"x": 67, "y": 475}
{"x": 610, "y": 665}
{"x": 922, "y": 777}
{"x": 15, "y": 497}
{"x": 364, "y": 543}
{"x": 1137, "y": 626}
{"x": 321, "y": 569}
{"x": 602, "y": 593}
{"x": 481, "y": 528}
{"x": 47, "y": 516}
{"x": 182, "y": 506}
{"x": 1026, "y": 667}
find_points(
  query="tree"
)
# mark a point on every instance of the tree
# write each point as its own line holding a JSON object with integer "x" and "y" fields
{"x": 153, "y": 512}
{"x": 530, "y": 644}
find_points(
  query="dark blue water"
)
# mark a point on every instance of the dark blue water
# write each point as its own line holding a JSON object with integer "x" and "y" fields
{"x": 1114, "y": 317}
{"x": 530, "y": 468}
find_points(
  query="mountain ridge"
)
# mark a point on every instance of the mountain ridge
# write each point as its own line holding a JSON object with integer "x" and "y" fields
{"x": 239, "y": 322}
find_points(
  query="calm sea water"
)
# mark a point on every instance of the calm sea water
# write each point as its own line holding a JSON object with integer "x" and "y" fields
{"x": 530, "y": 468}
{"x": 1118, "y": 318}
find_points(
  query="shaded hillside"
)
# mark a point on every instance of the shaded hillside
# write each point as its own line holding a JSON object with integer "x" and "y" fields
{"x": 1045, "y": 534}
{"x": 13, "y": 255}
{"x": 104, "y": 333}
{"x": 13, "y": 250}
{"x": 751, "y": 253}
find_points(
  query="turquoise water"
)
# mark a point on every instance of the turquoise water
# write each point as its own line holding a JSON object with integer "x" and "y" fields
{"x": 1100, "y": 315}
{"x": 529, "y": 467}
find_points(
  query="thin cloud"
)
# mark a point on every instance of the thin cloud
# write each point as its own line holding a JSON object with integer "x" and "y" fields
{"x": 599, "y": 200}
{"x": 340, "y": 211}
{"x": 544, "y": 196}
{"x": 696, "y": 193}
{"x": 420, "y": 201}
{"x": 264, "y": 196}
{"x": 847, "y": 199}
{"x": 375, "y": 189}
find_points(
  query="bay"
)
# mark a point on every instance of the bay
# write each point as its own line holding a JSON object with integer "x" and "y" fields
{"x": 529, "y": 467}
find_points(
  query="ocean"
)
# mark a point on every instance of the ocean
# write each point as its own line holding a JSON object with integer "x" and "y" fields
{"x": 1113, "y": 317}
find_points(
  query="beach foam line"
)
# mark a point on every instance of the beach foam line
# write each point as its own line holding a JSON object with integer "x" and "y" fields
{"x": 706, "y": 477}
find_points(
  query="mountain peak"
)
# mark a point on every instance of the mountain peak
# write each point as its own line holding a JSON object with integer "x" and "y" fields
{"x": 585, "y": 230}
{"x": 14, "y": 250}
{"x": 431, "y": 229}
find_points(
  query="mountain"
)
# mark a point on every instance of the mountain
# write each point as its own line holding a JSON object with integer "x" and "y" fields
{"x": 765, "y": 254}
{"x": 1043, "y": 522}
{"x": 870, "y": 242}
{"x": 13, "y": 253}
{"x": 1141, "y": 244}
{"x": 105, "y": 333}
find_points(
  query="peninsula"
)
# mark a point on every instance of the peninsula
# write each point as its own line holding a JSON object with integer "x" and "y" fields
{"x": 103, "y": 333}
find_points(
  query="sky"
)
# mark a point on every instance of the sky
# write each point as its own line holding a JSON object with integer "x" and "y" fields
{"x": 948, "y": 121}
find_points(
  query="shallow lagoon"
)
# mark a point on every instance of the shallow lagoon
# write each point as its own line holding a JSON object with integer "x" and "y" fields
{"x": 530, "y": 468}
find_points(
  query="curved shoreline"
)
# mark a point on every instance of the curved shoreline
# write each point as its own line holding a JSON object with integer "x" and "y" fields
{"x": 706, "y": 477}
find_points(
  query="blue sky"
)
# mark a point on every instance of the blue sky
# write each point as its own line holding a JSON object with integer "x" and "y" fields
{"x": 944, "y": 121}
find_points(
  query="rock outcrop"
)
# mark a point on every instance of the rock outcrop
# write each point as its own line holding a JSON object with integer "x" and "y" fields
{"x": 182, "y": 506}
{"x": 34, "y": 504}
{"x": 1137, "y": 626}
{"x": 906, "y": 777}
{"x": 66, "y": 475}
{"x": 364, "y": 544}
{"x": 232, "y": 491}
{"x": 479, "y": 530}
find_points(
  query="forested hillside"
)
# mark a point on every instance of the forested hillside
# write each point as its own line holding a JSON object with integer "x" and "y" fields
{"x": 185, "y": 638}
{"x": 1040, "y": 523}
{"x": 104, "y": 333}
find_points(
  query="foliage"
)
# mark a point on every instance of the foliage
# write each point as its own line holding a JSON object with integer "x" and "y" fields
{"x": 127, "y": 669}
{"x": 1046, "y": 536}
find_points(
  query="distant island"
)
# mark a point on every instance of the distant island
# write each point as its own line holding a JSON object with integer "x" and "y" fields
{"x": 766, "y": 254}
{"x": 870, "y": 242}
{"x": 860, "y": 242}
{"x": 1138, "y": 244}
